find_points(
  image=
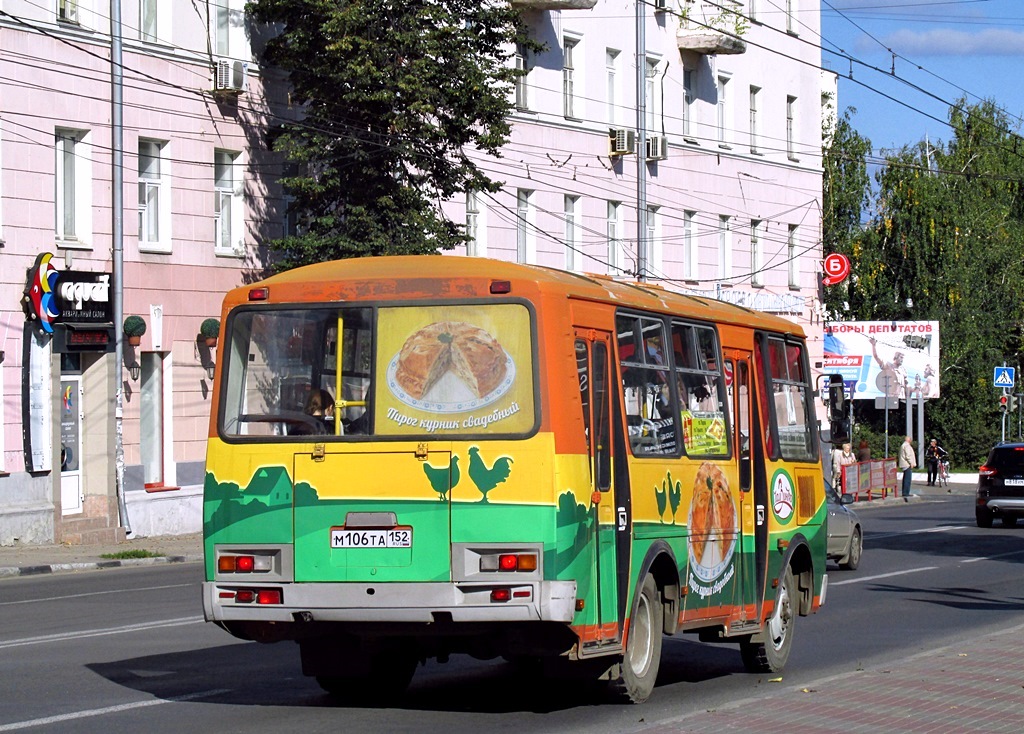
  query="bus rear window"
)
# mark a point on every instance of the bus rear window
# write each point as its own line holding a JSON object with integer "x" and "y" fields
{"x": 435, "y": 370}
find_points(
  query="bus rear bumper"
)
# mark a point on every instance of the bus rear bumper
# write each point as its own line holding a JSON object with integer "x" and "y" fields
{"x": 538, "y": 601}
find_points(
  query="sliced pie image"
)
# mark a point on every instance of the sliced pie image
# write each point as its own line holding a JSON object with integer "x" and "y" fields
{"x": 712, "y": 516}
{"x": 467, "y": 351}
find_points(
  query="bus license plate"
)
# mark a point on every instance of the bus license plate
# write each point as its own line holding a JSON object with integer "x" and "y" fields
{"x": 356, "y": 538}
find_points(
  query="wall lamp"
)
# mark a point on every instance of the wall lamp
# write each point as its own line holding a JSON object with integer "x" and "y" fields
{"x": 131, "y": 362}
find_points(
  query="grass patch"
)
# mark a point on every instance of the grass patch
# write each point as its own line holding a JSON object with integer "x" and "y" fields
{"x": 134, "y": 553}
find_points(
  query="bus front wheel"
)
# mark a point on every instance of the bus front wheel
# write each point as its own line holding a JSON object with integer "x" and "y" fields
{"x": 768, "y": 651}
{"x": 639, "y": 668}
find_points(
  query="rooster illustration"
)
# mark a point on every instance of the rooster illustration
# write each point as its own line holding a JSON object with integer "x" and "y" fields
{"x": 661, "y": 496}
{"x": 487, "y": 478}
{"x": 443, "y": 478}
{"x": 675, "y": 494}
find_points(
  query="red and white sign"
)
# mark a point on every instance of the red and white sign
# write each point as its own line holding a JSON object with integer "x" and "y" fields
{"x": 728, "y": 374}
{"x": 837, "y": 267}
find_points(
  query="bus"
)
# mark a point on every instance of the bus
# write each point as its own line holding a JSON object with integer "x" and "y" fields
{"x": 510, "y": 461}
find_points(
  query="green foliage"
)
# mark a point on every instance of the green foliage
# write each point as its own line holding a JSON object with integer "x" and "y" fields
{"x": 210, "y": 328}
{"x": 133, "y": 553}
{"x": 945, "y": 245}
{"x": 134, "y": 326}
{"x": 391, "y": 94}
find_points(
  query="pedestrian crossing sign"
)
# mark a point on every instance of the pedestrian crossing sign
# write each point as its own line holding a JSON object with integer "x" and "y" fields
{"x": 1003, "y": 377}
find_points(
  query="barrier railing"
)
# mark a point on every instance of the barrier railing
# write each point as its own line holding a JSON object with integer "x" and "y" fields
{"x": 870, "y": 479}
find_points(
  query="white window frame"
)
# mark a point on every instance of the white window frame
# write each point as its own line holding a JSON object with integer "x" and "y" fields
{"x": 792, "y": 26}
{"x": 722, "y": 108}
{"x": 611, "y": 70}
{"x": 69, "y": 11}
{"x": 521, "y": 58}
{"x": 73, "y": 157}
{"x": 652, "y": 98}
{"x": 792, "y": 259}
{"x": 724, "y": 246}
{"x": 652, "y": 231}
{"x": 752, "y": 10}
{"x": 689, "y": 108}
{"x": 227, "y": 29}
{"x": 573, "y": 245}
{"x": 572, "y": 78}
{"x": 157, "y": 15}
{"x": 756, "y": 252}
{"x": 691, "y": 246}
{"x": 160, "y": 187}
{"x": 228, "y": 198}
{"x": 525, "y": 234}
{"x": 476, "y": 225}
{"x": 791, "y": 131}
{"x": 613, "y": 233}
{"x": 755, "y": 126}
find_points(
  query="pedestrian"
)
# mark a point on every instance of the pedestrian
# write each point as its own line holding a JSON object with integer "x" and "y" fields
{"x": 863, "y": 451}
{"x": 933, "y": 455}
{"x": 906, "y": 462}
{"x": 841, "y": 459}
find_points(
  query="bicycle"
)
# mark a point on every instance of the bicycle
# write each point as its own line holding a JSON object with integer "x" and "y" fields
{"x": 942, "y": 476}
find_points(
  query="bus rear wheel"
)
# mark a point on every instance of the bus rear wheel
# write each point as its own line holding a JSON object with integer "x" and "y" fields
{"x": 373, "y": 675}
{"x": 639, "y": 668}
{"x": 768, "y": 651}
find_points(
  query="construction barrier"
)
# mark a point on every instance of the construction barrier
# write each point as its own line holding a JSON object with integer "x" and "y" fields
{"x": 869, "y": 480}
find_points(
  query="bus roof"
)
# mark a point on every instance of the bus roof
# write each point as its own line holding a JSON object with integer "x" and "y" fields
{"x": 409, "y": 277}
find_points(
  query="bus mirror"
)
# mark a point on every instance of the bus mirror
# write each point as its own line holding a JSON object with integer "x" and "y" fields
{"x": 839, "y": 431}
{"x": 836, "y": 398}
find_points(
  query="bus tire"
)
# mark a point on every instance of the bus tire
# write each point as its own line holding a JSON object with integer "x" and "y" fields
{"x": 642, "y": 658}
{"x": 768, "y": 651}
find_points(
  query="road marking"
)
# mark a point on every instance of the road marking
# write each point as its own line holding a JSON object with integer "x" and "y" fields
{"x": 93, "y": 593}
{"x": 876, "y": 536}
{"x": 989, "y": 558}
{"x": 62, "y": 636}
{"x": 108, "y": 710}
{"x": 881, "y": 576}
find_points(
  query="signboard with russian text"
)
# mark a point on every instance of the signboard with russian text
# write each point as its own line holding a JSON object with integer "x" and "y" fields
{"x": 880, "y": 359}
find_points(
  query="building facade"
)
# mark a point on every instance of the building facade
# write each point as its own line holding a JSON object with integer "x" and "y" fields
{"x": 723, "y": 167}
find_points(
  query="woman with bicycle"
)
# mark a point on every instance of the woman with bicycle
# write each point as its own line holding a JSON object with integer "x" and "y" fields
{"x": 933, "y": 456}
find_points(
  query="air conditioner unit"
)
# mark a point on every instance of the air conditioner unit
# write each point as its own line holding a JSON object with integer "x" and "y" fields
{"x": 660, "y": 6}
{"x": 230, "y": 76}
{"x": 657, "y": 148}
{"x": 621, "y": 140}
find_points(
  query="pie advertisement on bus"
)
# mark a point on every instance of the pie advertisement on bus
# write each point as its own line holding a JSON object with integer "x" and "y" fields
{"x": 455, "y": 369}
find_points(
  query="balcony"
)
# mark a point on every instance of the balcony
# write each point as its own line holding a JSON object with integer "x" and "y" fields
{"x": 554, "y": 4}
{"x": 706, "y": 41}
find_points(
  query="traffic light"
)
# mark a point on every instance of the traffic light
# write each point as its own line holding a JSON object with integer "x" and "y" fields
{"x": 1011, "y": 405}
{"x": 1004, "y": 403}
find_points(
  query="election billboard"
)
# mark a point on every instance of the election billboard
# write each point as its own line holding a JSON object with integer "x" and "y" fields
{"x": 884, "y": 358}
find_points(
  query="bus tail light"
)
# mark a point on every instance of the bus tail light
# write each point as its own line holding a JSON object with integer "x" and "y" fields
{"x": 509, "y": 562}
{"x": 248, "y": 596}
{"x": 244, "y": 564}
{"x": 245, "y": 596}
{"x": 259, "y": 294}
{"x": 269, "y": 596}
{"x": 501, "y": 595}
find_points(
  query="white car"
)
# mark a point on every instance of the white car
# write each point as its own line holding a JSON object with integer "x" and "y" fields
{"x": 845, "y": 536}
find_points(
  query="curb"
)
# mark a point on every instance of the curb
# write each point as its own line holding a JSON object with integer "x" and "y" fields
{"x": 50, "y": 568}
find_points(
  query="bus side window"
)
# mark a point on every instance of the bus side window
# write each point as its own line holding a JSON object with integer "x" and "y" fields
{"x": 647, "y": 392}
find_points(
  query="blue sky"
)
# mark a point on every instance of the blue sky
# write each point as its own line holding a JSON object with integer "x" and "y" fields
{"x": 944, "y": 49}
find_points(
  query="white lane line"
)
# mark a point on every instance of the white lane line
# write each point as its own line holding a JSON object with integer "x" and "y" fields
{"x": 93, "y": 593}
{"x": 881, "y": 576}
{"x": 108, "y": 710}
{"x": 80, "y": 635}
{"x": 989, "y": 558}
{"x": 943, "y": 529}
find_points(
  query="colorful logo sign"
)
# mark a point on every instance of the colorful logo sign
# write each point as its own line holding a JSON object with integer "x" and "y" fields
{"x": 782, "y": 496}
{"x": 40, "y": 299}
{"x": 837, "y": 267}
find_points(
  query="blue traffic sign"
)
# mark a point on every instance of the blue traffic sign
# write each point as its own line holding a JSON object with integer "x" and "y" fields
{"x": 1003, "y": 377}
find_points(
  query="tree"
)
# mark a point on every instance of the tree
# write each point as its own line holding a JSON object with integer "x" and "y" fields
{"x": 392, "y": 93}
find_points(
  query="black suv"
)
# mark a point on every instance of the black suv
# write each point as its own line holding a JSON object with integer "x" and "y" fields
{"x": 1001, "y": 486}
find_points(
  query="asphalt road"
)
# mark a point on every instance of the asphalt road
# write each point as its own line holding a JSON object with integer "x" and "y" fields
{"x": 126, "y": 650}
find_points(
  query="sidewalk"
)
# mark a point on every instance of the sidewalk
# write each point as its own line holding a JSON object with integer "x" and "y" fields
{"x": 26, "y": 560}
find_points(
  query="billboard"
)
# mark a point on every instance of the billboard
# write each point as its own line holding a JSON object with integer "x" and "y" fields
{"x": 884, "y": 358}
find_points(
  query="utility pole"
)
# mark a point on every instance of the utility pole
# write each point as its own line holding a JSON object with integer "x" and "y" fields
{"x": 642, "y": 245}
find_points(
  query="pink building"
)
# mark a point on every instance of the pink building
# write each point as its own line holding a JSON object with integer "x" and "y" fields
{"x": 731, "y": 203}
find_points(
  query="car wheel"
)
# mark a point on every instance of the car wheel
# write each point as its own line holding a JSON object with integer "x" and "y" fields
{"x": 768, "y": 651}
{"x": 1009, "y": 521}
{"x": 852, "y": 559}
{"x": 984, "y": 518}
{"x": 639, "y": 668}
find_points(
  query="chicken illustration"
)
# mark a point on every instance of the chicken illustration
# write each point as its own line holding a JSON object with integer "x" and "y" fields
{"x": 443, "y": 478}
{"x": 675, "y": 494}
{"x": 662, "y": 497}
{"x": 487, "y": 478}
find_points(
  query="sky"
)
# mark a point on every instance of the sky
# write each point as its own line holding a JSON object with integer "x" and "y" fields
{"x": 940, "y": 51}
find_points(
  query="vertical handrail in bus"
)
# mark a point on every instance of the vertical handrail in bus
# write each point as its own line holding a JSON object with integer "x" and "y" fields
{"x": 339, "y": 360}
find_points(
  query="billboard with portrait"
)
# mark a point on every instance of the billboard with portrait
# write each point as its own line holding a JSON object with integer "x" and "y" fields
{"x": 879, "y": 358}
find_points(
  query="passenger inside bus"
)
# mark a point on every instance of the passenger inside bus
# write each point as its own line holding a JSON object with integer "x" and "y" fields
{"x": 319, "y": 405}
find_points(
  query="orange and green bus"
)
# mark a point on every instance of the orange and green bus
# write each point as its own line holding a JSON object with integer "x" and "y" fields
{"x": 520, "y": 462}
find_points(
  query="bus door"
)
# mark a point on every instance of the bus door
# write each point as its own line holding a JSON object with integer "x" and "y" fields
{"x": 753, "y": 518}
{"x": 593, "y": 361}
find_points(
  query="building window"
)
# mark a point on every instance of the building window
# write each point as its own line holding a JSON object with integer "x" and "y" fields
{"x": 67, "y": 11}
{"x": 754, "y": 129}
{"x": 149, "y": 20}
{"x": 688, "y": 107}
{"x": 724, "y": 246}
{"x": 652, "y": 233}
{"x": 756, "y": 252}
{"x": 611, "y": 65}
{"x": 752, "y": 10}
{"x": 73, "y": 195}
{"x": 154, "y": 215}
{"x": 613, "y": 230}
{"x": 154, "y": 423}
{"x": 568, "y": 71}
{"x": 690, "y": 245}
{"x": 475, "y": 229}
{"x": 524, "y": 226}
{"x": 227, "y": 184}
{"x": 791, "y": 128}
{"x": 522, "y": 78}
{"x": 229, "y": 28}
{"x": 723, "y": 112}
{"x": 652, "y": 96}
{"x": 791, "y": 22}
{"x": 573, "y": 255}
{"x": 792, "y": 258}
